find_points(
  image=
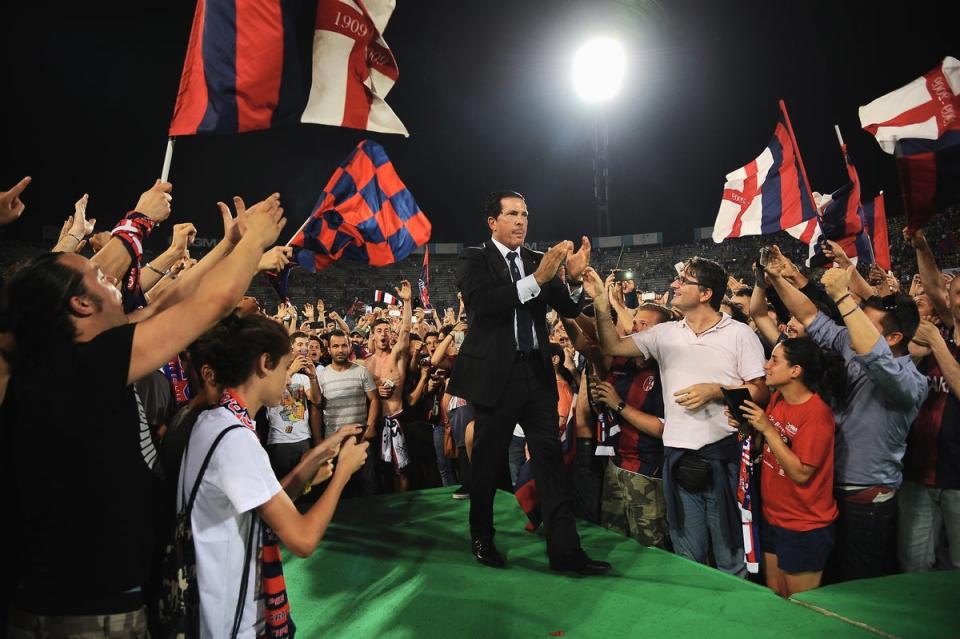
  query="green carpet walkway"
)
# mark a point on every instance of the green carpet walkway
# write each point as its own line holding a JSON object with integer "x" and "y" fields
{"x": 922, "y": 605}
{"x": 399, "y": 566}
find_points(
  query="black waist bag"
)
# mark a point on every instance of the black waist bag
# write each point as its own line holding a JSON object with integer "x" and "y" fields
{"x": 693, "y": 472}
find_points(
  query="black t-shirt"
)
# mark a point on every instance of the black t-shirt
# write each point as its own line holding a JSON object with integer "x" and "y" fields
{"x": 80, "y": 457}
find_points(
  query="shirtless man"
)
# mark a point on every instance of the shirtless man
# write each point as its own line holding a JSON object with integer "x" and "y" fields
{"x": 388, "y": 365}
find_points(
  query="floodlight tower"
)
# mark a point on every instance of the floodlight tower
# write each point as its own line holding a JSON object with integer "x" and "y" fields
{"x": 598, "y": 69}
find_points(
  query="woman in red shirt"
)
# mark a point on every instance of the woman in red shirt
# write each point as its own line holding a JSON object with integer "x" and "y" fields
{"x": 797, "y": 477}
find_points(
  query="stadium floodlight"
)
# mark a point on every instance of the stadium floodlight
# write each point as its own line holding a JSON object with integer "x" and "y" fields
{"x": 598, "y": 69}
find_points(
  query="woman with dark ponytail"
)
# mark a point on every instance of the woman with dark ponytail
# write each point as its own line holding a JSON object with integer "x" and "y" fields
{"x": 798, "y": 429}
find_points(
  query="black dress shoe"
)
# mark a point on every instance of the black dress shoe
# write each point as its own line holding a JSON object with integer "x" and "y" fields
{"x": 578, "y": 561}
{"x": 487, "y": 554}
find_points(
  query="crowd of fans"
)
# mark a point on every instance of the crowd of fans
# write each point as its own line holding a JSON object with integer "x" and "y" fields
{"x": 122, "y": 373}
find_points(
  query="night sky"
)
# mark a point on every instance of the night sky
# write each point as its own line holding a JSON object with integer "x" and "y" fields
{"x": 484, "y": 89}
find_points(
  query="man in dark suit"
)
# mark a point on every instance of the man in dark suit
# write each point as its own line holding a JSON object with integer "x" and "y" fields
{"x": 503, "y": 369}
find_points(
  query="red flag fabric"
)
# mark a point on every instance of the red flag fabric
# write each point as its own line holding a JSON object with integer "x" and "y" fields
{"x": 875, "y": 215}
{"x": 365, "y": 213}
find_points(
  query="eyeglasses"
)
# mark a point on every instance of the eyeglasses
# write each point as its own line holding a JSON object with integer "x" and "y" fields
{"x": 889, "y": 302}
{"x": 682, "y": 280}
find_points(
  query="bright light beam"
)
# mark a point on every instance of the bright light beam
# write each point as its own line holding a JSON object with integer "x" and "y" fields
{"x": 598, "y": 69}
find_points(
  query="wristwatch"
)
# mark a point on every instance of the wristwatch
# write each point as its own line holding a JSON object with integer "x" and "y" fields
{"x": 619, "y": 407}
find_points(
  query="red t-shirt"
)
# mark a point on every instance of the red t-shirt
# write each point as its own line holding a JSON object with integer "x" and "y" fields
{"x": 809, "y": 430}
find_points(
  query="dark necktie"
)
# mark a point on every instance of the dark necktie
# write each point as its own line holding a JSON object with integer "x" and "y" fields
{"x": 524, "y": 319}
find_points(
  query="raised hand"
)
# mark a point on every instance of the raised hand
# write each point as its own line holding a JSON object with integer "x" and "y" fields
{"x": 275, "y": 260}
{"x": 11, "y": 206}
{"x": 264, "y": 221}
{"x": 183, "y": 236}
{"x": 592, "y": 284}
{"x": 551, "y": 261}
{"x": 155, "y": 201}
{"x": 837, "y": 282}
{"x": 578, "y": 261}
{"x": 233, "y": 227}
{"x": 81, "y": 226}
{"x": 404, "y": 292}
{"x": 833, "y": 251}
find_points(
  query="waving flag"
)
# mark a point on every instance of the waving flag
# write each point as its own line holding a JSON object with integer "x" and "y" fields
{"x": 424, "y": 280}
{"x": 383, "y": 296}
{"x": 365, "y": 213}
{"x": 875, "y": 217}
{"x": 920, "y": 124}
{"x": 769, "y": 194}
{"x": 841, "y": 219}
{"x": 258, "y": 64}
{"x": 926, "y": 109}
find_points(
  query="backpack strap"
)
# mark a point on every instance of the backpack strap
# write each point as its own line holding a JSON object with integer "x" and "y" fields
{"x": 203, "y": 467}
{"x": 247, "y": 557}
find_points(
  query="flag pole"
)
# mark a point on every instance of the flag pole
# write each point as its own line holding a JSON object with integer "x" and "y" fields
{"x": 167, "y": 160}
{"x": 839, "y": 137}
{"x": 796, "y": 148}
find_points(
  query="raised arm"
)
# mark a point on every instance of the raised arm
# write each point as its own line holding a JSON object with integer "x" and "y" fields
{"x": 758, "y": 310}
{"x": 114, "y": 258}
{"x": 929, "y": 335}
{"x": 159, "y": 338}
{"x": 796, "y": 302}
{"x": 610, "y": 341}
{"x": 156, "y": 270}
{"x": 863, "y": 334}
{"x": 930, "y": 275}
{"x": 858, "y": 285}
{"x": 302, "y": 533}
{"x": 401, "y": 349}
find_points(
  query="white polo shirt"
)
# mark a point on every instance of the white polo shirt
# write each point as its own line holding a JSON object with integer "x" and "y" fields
{"x": 728, "y": 354}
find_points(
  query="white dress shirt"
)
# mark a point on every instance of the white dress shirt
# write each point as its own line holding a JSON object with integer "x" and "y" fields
{"x": 527, "y": 287}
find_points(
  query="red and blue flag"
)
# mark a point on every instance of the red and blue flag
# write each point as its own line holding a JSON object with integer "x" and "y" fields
{"x": 424, "y": 280}
{"x": 769, "y": 194}
{"x": 258, "y": 64}
{"x": 365, "y": 213}
{"x": 875, "y": 217}
{"x": 919, "y": 123}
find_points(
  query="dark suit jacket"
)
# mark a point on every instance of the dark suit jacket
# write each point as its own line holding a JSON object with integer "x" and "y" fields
{"x": 483, "y": 365}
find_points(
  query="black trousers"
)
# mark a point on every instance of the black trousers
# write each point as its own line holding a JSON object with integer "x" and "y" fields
{"x": 531, "y": 402}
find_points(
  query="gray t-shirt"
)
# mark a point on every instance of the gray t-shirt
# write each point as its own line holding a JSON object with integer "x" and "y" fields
{"x": 344, "y": 396}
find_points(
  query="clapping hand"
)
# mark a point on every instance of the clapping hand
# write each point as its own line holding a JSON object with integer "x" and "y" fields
{"x": 578, "y": 261}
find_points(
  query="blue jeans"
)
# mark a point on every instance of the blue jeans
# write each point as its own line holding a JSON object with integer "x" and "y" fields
{"x": 516, "y": 457}
{"x": 926, "y": 513}
{"x": 443, "y": 464}
{"x": 701, "y": 528}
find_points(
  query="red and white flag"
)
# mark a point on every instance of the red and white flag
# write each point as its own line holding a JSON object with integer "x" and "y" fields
{"x": 383, "y": 296}
{"x": 924, "y": 109}
{"x": 353, "y": 68}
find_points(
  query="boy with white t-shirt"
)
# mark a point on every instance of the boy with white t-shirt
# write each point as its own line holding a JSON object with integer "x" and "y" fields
{"x": 242, "y": 512}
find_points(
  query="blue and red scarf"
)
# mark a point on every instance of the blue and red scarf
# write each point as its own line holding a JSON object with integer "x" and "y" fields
{"x": 273, "y": 587}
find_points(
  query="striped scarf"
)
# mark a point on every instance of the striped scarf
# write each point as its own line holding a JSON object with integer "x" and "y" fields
{"x": 133, "y": 230}
{"x": 273, "y": 588}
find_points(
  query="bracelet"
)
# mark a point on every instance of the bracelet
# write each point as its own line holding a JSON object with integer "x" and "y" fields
{"x": 850, "y": 312}
{"x": 158, "y": 272}
{"x": 841, "y": 299}
{"x": 78, "y": 239}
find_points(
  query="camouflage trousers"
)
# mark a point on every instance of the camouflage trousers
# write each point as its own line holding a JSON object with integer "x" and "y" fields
{"x": 124, "y": 625}
{"x": 633, "y": 505}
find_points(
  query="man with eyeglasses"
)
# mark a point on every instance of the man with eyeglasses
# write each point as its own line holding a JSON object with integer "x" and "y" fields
{"x": 884, "y": 394}
{"x": 699, "y": 355}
